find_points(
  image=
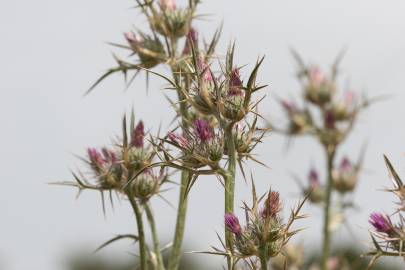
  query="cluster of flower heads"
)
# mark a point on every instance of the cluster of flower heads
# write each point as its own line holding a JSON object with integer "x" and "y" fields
{"x": 200, "y": 145}
{"x": 389, "y": 236}
{"x": 124, "y": 165}
{"x": 167, "y": 20}
{"x": 264, "y": 231}
{"x": 344, "y": 180}
{"x": 338, "y": 110}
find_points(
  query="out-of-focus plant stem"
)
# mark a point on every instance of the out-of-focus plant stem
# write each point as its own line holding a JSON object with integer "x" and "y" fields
{"x": 155, "y": 238}
{"x": 229, "y": 178}
{"x": 141, "y": 233}
{"x": 330, "y": 153}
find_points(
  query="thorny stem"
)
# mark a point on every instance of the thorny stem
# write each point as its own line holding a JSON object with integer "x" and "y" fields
{"x": 229, "y": 179}
{"x": 155, "y": 238}
{"x": 141, "y": 234}
{"x": 174, "y": 259}
{"x": 175, "y": 256}
{"x": 330, "y": 152}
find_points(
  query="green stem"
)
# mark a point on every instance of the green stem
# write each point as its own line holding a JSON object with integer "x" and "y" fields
{"x": 155, "y": 238}
{"x": 229, "y": 179}
{"x": 330, "y": 152}
{"x": 141, "y": 234}
{"x": 174, "y": 260}
{"x": 263, "y": 258}
{"x": 175, "y": 256}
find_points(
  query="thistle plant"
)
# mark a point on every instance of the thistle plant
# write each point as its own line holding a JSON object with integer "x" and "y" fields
{"x": 328, "y": 115}
{"x": 264, "y": 235}
{"x": 388, "y": 233}
{"x": 216, "y": 132}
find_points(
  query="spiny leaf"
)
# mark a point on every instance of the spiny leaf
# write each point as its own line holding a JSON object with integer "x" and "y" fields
{"x": 118, "y": 237}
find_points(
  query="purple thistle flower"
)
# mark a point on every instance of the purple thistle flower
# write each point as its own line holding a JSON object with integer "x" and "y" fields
{"x": 329, "y": 119}
{"x": 203, "y": 130}
{"x": 316, "y": 77}
{"x": 168, "y": 4}
{"x": 232, "y": 224}
{"x": 133, "y": 40}
{"x": 204, "y": 68}
{"x": 345, "y": 166}
{"x": 192, "y": 39}
{"x": 109, "y": 156}
{"x": 381, "y": 223}
{"x": 138, "y": 135}
{"x": 95, "y": 157}
{"x": 178, "y": 139}
{"x": 313, "y": 178}
{"x": 289, "y": 106}
{"x": 272, "y": 205}
{"x": 235, "y": 84}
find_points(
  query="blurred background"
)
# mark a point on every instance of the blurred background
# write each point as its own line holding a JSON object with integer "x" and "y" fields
{"x": 52, "y": 51}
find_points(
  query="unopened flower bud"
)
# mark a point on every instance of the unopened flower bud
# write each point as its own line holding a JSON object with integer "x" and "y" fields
{"x": 272, "y": 205}
{"x": 232, "y": 224}
{"x": 317, "y": 192}
{"x": 345, "y": 176}
{"x": 145, "y": 185}
{"x": 138, "y": 135}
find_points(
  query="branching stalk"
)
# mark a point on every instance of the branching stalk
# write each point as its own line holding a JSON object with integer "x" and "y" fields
{"x": 229, "y": 179}
{"x": 330, "y": 152}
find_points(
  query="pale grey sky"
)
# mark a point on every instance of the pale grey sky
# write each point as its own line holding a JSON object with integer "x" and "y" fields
{"x": 51, "y": 51}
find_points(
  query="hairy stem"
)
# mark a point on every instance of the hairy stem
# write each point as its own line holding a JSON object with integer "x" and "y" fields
{"x": 141, "y": 233}
{"x": 155, "y": 238}
{"x": 174, "y": 260}
{"x": 330, "y": 152}
{"x": 229, "y": 179}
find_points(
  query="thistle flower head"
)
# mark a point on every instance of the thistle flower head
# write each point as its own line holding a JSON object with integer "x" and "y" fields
{"x": 133, "y": 40}
{"x": 232, "y": 224}
{"x": 203, "y": 130}
{"x": 272, "y": 205}
{"x": 381, "y": 223}
{"x": 95, "y": 157}
{"x": 316, "y": 76}
{"x": 235, "y": 83}
{"x": 138, "y": 135}
{"x": 168, "y": 4}
{"x": 191, "y": 40}
{"x": 313, "y": 178}
{"x": 346, "y": 166}
{"x": 204, "y": 69}
{"x": 180, "y": 140}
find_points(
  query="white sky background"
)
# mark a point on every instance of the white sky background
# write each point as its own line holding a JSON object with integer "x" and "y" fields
{"x": 51, "y": 51}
